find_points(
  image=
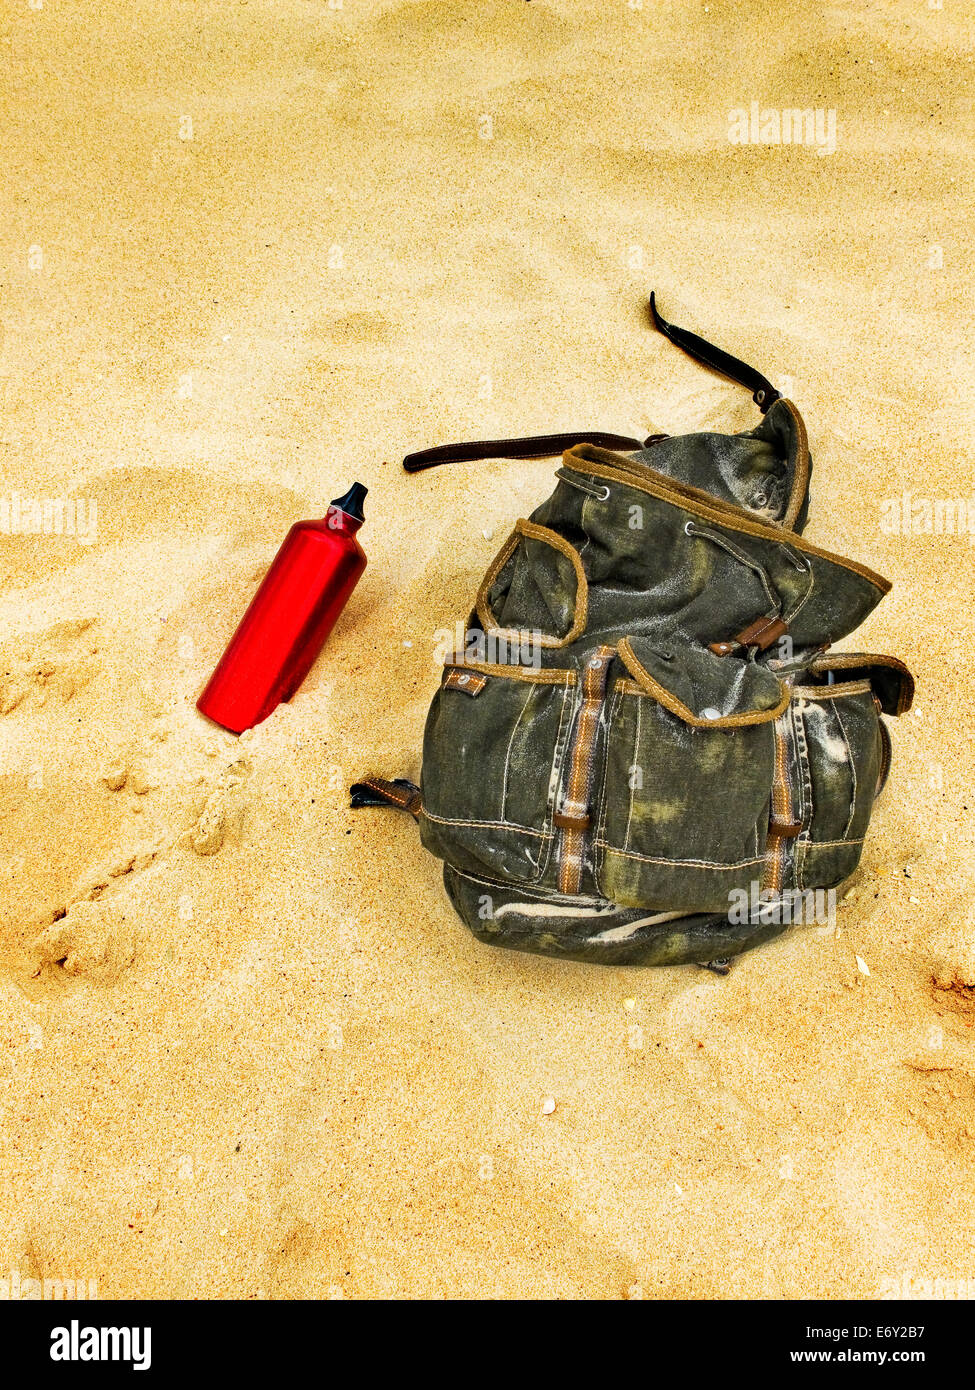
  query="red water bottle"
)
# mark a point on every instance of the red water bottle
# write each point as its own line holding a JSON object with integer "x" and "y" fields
{"x": 289, "y": 617}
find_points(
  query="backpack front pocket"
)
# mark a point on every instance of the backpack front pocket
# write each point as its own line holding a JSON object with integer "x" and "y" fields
{"x": 535, "y": 589}
{"x": 684, "y": 802}
{"x": 492, "y": 751}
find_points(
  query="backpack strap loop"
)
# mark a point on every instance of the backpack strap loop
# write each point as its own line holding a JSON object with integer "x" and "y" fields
{"x": 377, "y": 791}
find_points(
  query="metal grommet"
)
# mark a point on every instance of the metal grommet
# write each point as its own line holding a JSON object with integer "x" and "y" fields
{"x": 689, "y": 528}
{"x": 462, "y": 680}
{"x": 759, "y": 396}
{"x": 760, "y": 500}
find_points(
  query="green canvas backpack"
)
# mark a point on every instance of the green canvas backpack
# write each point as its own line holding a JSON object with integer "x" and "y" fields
{"x": 645, "y": 751}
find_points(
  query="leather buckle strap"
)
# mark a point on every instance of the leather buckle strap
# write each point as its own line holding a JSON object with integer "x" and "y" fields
{"x": 377, "y": 791}
{"x": 573, "y": 819}
{"x": 760, "y": 634}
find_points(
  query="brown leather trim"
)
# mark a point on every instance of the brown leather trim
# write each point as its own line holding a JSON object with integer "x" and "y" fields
{"x": 784, "y": 829}
{"x": 800, "y": 475}
{"x": 544, "y": 675}
{"x": 467, "y": 682}
{"x": 781, "y": 817}
{"x": 539, "y": 533}
{"x": 885, "y": 758}
{"x": 831, "y": 692}
{"x": 762, "y": 633}
{"x": 839, "y": 661}
{"x": 575, "y": 803}
{"x": 649, "y": 686}
{"x": 589, "y": 460}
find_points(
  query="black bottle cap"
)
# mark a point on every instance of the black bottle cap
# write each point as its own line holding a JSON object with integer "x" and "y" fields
{"x": 351, "y": 503}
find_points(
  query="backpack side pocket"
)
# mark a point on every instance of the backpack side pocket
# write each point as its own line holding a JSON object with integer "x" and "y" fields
{"x": 535, "y": 589}
{"x": 841, "y": 754}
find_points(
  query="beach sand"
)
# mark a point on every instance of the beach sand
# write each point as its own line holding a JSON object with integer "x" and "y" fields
{"x": 256, "y": 251}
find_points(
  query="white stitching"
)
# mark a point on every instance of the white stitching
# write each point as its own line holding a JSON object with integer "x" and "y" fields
{"x": 632, "y": 789}
{"x": 507, "y": 756}
{"x": 582, "y": 524}
{"x": 833, "y": 844}
{"x": 790, "y": 618}
{"x": 495, "y": 824}
{"x": 551, "y": 796}
{"x": 603, "y": 802}
{"x": 853, "y": 771}
{"x": 678, "y": 863}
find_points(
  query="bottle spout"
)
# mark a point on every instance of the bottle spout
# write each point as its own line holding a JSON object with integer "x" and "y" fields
{"x": 351, "y": 503}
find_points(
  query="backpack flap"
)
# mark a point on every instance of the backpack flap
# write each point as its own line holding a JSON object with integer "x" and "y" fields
{"x": 535, "y": 589}
{"x": 703, "y": 690}
{"x": 765, "y": 470}
{"x": 711, "y": 566}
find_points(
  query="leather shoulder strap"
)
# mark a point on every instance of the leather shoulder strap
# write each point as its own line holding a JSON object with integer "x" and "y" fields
{"x": 763, "y": 392}
{"x": 537, "y": 446}
{"x": 547, "y": 445}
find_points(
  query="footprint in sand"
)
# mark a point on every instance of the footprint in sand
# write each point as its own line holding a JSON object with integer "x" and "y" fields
{"x": 953, "y": 965}
{"x": 214, "y": 813}
{"x": 890, "y": 1177}
{"x": 93, "y": 939}
{"x": 99, "y": 879}
{"x": 218, "y": 815}
{"x": 57, "y": 662}
{"x": 132, "y": 772}
{"x": 940, "y": 1098}
{"x": 92, "y": 932}
{"x": 687, "y": 1026}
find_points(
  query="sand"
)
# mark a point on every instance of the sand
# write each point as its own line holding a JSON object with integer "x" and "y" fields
{"x": 254, "y": 251}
